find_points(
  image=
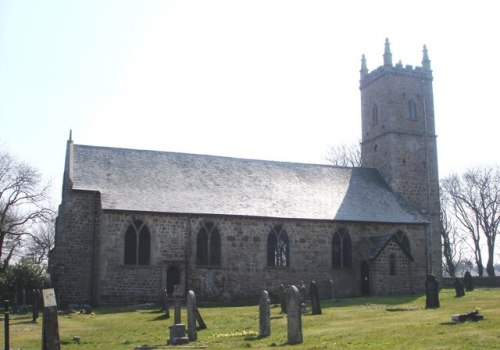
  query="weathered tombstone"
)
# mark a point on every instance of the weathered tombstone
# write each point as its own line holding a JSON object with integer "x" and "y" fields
{"x": 302, "y": 290}
{"x": 177, "y": 304}
{"x": 294, "y": 320}
{"x": 332, "y": 294}
{"x": 459, "y": 288}
{"x": 283, "y": 297}
{"x": 431, "y": 292}
{"x": 178, "y": 330}
{"x": 50, "y": 325}
{"x": 264, "y": 315}
{"x": 469, "y": 286}
{"x": 191, "y": 316}
{"x": 166, "y": 303}
{"x": 315, "y": 303}
{"x": 36, "y": 303}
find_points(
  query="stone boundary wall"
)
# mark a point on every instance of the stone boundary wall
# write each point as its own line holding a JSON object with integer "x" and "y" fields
{"x": 485, "y": 282}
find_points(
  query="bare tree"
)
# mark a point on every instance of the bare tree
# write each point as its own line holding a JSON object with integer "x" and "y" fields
{"x": 39, "y": 242}
{"x": 476, "y": 202}
{"x": 451, "y": 241}
{"x": 23, "y": 200}
{"x": 345, "y": 155}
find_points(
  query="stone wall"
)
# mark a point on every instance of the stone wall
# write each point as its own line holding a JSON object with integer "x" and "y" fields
{"x": 243, "y": 272}
{"x": 71, "y": 261}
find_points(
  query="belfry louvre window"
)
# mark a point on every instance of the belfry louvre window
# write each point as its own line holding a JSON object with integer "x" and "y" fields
{"x": 412, "y": 110}
{"x": 278, "y": 249}
{"x": 341, "y": 248}
{"x": 374, "y": 114}
{"x": 137, "y": 244}
{"x": 208, "y": 245}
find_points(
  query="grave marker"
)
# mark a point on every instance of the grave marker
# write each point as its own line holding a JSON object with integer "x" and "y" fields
{"x": 315, "y": 302}
{"x": 191, "y": 316}
{"x": 294, "y": 320}
{"x": 50, "y": 325}
{"x": 431, "y": 292}
{"x": 264, "y": 315}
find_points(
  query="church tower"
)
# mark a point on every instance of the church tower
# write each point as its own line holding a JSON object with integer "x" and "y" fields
{"x": 399, "y": 138}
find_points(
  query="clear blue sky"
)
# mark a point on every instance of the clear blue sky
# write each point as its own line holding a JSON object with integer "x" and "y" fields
{"x": 256, "y": 79}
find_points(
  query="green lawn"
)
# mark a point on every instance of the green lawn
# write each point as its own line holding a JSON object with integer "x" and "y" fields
{"x": 355, "y": 323}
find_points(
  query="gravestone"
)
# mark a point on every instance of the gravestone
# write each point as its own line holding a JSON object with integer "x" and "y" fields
{"x": 294, "y": 320}
{"x": 264, "y": 315}
{"x": 177, "y": 304}
{"x": 459, "y": 288}
{"x": 332, "y": 294}
{"x": 315, "y": 303}
{"x": 166, "y": 303}
{"x": 191, "y": 316}
{"x": 431, "y": 292}
{"x": 283, "y": 297}
{"x": 469, "y": 286}
{"x": 302, "y": 290}
{"x": 50, "y": 325}
{"x": 36, "y": 304}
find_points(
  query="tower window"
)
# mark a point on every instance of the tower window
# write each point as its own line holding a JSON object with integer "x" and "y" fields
{"x": 341, "y": 249}
{"x": 412, "y": 110}
{"x": 208, "y": 245}
{"x": 278, "y": 249}
{"x": 374, "y": 114}
{"x": 137, "y": 244}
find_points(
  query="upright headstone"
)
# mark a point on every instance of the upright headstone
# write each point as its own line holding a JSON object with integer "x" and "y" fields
{"x": 332, "y": 291}
{"x": 469, "y": 286}
{"x": 191, "y": 316}
{"x": 459, "y": 288}
{"x": 283, "y": 297}
{"x": 36, "y": 304}
{"x": 315, "y": 303}
{"x": 50, "y": 325}
{"x": 264, "y": 315}
{"x": 431, "y": 292}
{"x": 166, "y": 303}
{"x": 302, "y": 290}
{"x": 294, "y": 318}
{"x": 177, "y": 304}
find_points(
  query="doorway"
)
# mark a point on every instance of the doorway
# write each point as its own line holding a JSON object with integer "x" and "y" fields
{"x": 365, "y": 278}
{"x": 173, "y": 278}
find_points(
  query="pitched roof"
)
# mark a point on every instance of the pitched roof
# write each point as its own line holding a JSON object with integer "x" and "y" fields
{"x": 153, "y": 181}
{"x": 380, "y": 242}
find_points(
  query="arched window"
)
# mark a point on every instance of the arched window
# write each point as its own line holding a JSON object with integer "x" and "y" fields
{"x": 208, "y": 245}
{"x": 374, "y": 114}
{"x": 403, "y": 240}
{"x": 137, "y": 244}
{"x": 278, "y": 247}
{"x": 392, "y": 264}
{"x": 412, "y": 110}
{"x": 341, "y": 248}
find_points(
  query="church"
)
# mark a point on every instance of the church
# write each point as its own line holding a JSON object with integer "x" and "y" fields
{"x": 134, "y": 223}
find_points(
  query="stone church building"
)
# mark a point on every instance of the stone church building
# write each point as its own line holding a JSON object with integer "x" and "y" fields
{"x": 133, "y": 223}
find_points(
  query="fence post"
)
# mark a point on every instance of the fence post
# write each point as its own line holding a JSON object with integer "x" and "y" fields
{"x": 6, "y": 323}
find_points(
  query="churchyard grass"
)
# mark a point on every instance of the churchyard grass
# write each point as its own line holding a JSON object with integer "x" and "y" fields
{"x": 355, "y": 323}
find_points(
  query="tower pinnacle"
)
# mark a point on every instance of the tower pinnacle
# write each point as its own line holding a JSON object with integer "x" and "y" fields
{"x": 364, "y": 70}
{"x": 426, "y": 63}
{"x": 387, "y": 53}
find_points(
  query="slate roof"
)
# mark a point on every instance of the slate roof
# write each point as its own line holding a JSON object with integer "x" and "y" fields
{"x": 153, "y": 181}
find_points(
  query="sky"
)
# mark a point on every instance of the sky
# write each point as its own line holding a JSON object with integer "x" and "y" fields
{"x": 274, "y": 80}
